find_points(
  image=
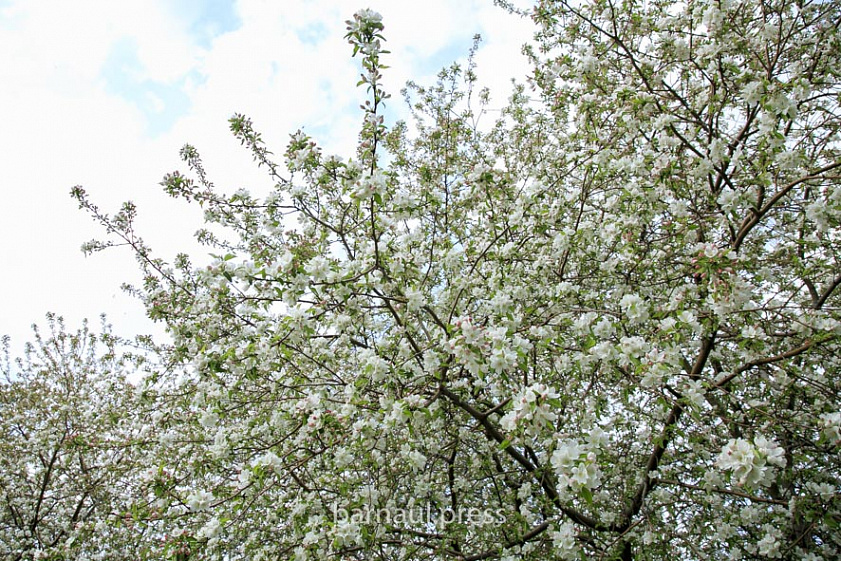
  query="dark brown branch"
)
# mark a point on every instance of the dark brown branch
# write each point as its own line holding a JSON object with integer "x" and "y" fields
{"x": 751, "y": 498}
{"x": 769, "y": 360}
{"x": 757, "y": 214}
{"x": 664, "y": 439}
{"x": 539, "y": 473}
{"x": 819, "y": 302}
{"x": 536, "y": 531}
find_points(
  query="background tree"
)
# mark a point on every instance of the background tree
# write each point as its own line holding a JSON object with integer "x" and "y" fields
{"x": 605, "y": 328}
{"x": 66, "y": 455}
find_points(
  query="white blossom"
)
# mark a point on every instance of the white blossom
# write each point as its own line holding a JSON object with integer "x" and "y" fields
{"x": 749, "y": 462}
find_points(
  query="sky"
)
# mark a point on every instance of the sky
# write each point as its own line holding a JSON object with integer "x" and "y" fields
{"x": 103, "y": 94}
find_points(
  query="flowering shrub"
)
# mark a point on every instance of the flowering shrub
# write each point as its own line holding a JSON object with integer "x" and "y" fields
{"x": 610, "y": 318}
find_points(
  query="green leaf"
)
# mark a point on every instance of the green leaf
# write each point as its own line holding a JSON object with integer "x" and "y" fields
{"x": 587, "y": 495}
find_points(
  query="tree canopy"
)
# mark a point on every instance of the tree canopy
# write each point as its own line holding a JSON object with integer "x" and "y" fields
{"x": 605, "y": 326}
{"x": 70, "y": 446}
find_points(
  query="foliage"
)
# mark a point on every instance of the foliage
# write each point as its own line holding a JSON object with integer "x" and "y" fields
{"x": 68, "y": 449}
{"x": 607, "y": 327}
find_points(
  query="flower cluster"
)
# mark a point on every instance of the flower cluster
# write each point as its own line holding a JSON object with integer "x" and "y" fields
{"x": 364, "y": 31}
{"x": 751, "y": 464}
{"x": 302, "y": 153}
{"x": 564, "y": 541}
{"x": 831, "y": 427}
{"x": 370, "y": 186}
{"x": 575, "y": 466}
{"x": 531, "y": 410}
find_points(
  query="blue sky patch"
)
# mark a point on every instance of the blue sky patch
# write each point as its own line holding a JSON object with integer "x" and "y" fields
{"x": 161, "y": 103}
{"x": 444, "y": 58}
{"x": 207, "y": 19}
{"x": 8, "y": 21}
{"x": 313, "y": 34}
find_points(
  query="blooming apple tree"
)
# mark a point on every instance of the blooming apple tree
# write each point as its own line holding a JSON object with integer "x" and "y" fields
{"x": 69, "y": 450}
{"x": 606, "y": 326}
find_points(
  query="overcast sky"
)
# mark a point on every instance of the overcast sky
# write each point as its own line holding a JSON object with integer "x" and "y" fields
{"x": 103, "y": 94}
